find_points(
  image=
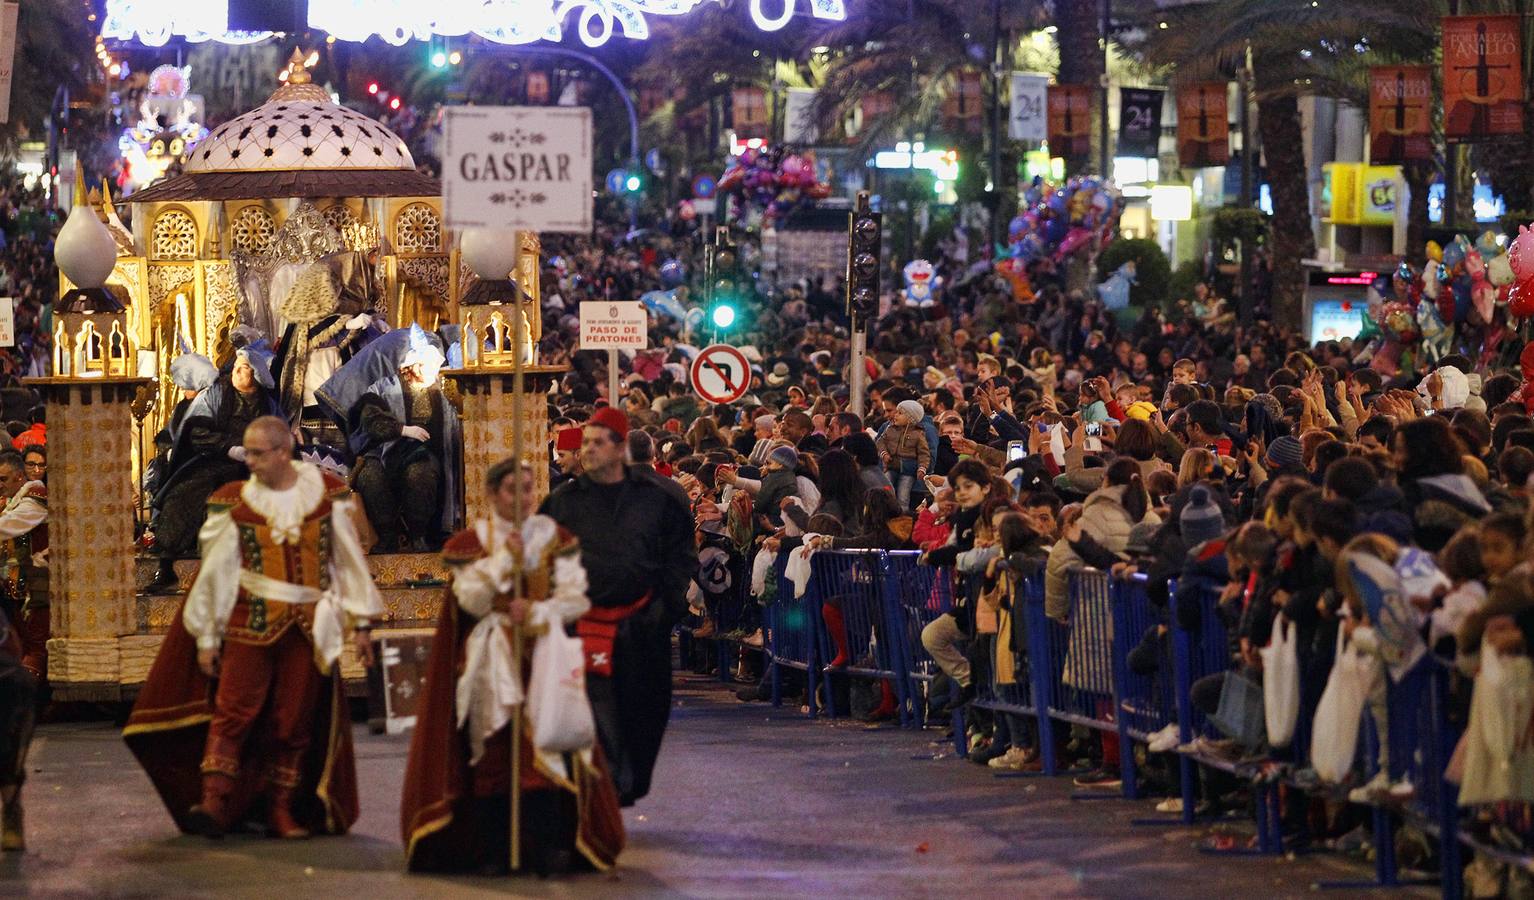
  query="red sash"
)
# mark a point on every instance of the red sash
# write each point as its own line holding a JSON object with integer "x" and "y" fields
{"x": 597, "y": 630}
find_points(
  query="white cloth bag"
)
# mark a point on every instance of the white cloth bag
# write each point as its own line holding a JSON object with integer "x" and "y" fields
{"x": 557, "y": 709}
{"x": 1281, "y": 683}
{"x": 1334, "y": 737}
{"x": 1499, "y": 761}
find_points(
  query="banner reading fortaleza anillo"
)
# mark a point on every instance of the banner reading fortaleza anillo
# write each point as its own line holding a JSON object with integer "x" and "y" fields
{"x": 1482, "y": 77}
{"x": 1070, "y": 120}
{"x": 1400, "y": 113}
{"x": 1203, "y": 134}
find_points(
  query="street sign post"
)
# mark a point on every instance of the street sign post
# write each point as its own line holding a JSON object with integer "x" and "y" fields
{"x": 721, "y": 374}
{"x": 614, "y": 325}
{"x": 526, "y": 167}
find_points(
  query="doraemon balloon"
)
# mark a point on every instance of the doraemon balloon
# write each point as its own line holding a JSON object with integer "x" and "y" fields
{"x": 920, "y": 283}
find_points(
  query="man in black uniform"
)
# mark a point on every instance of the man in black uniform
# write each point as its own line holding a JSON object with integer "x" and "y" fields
{"x": 637, "y": 544}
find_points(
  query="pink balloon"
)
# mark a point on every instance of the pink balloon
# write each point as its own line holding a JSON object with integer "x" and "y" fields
{"x": 1520, "y": 257}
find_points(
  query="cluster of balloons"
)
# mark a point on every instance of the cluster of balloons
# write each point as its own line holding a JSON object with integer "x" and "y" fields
{"x": 776, "y": 180}
{"x": 1058, "y": 221}
{"x": 1466, "y": 280}
{"x": 1461, "y": 286}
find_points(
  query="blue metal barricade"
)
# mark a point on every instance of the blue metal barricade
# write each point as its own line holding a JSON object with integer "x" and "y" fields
{"x": 1144, "y": 704}
{"x": 917, "y": 595}
{"x": 1195, "y": 654}
{"x": 791, "y": 635}
{"x": 1081, "y": 653}
{"x": 853, "y": 581}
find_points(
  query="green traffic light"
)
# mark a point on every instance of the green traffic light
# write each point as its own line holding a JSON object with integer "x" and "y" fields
{"x": 724, "y": 315}
{"x": 632, "y": 183}
{"x": 439, "y": 59}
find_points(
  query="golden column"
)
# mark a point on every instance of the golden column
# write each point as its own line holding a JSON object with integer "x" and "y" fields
{"x": 501, "y": 327}
{"x": 91, "y": 474}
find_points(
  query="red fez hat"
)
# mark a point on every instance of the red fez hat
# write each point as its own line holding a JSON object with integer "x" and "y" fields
{"x": 568, "y": 439}
{"x": 611, "y": 418}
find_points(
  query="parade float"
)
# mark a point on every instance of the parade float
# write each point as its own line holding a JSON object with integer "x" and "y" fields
{"x": 298, "y": 179}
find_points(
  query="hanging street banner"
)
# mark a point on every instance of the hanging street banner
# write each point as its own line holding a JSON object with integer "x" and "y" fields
{"x": 798, "y": 124}
{"x": 526, "y": 167}
{"x": 1028, "y": 121}
{"x": 1482, "y": 77}
{"x": 1140, "y": 122}
{"x": 1203, "y": 133}
{"x": 1400, "y": 113}
{"x": 1070, "y": 120}
{"x": 8, "y": 14}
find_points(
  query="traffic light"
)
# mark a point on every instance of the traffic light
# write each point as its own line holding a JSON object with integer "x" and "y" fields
{"x": 722, "y": 270}
{"x": 865, "y": 234}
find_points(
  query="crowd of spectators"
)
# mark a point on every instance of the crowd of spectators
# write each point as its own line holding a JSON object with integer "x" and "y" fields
{"x": 1180, "y": 444}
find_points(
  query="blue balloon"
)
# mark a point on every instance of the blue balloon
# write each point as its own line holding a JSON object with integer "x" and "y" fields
{"x": 663, "y": 303}
{"x": 1462, "y": 291}
{"x": 672, "y": 273}
{"x": 1453, "y": 254}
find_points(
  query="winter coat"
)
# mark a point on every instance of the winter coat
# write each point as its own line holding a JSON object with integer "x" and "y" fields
{"x": 905, "y": 442}
{"x": 776, "y": 486}
{"x": 1440, "y": 505}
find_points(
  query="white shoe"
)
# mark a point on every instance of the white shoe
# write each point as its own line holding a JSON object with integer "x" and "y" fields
{"x": 1164, "y": 740}
{"x": 1014, "y": 758}
{"x": 1367, "y": 792}
{"x": 1170, "y": 805}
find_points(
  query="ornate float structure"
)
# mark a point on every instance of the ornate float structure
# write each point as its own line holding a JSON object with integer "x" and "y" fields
{"x": 297, "y": 179}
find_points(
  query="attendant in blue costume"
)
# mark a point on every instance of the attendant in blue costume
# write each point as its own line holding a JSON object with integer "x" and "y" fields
{"x": 206, "y": 452}
{"x": 404, "y": 435}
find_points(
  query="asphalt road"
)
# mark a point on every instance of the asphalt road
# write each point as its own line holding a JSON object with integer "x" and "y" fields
{"x": 749, "y": 801}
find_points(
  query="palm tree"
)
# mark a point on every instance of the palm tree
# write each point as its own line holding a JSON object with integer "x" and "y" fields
{"x": 1297, "y": 48}
{"x": 53, "y": 50}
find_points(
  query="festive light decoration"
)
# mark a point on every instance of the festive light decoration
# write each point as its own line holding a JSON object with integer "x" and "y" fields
{"x": 148, "y": 148}
{"x": 155, "y": 22}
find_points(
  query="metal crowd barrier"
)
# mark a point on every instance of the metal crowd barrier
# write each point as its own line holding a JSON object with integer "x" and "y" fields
{"x": 791, "y": 624}
{"x": 917, "y": 595}
{"x": 860, "y": 584}
{"x": 1077, "y": 672}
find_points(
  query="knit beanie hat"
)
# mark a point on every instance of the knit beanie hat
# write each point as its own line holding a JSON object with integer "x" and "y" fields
{"x": 913, "y": 410}
{"x": 785, "y": 456}
{"x": 1201, "y": 519}
{"x": 1271, "y": 404}
{"x": 1286, "y": 453}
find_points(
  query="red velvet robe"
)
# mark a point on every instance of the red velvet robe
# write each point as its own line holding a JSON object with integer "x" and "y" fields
{"x": 438, "y": 821}
{"x": 168, "y": 728}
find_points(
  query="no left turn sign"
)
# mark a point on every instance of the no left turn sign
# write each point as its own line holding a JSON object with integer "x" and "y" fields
{"x": 721, "y": 374}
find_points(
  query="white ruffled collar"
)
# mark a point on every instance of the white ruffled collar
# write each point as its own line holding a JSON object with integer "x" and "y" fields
{"x": 286, "y": 510}
{"x": 538, "y": 532}
{"x": 21, "y": 494}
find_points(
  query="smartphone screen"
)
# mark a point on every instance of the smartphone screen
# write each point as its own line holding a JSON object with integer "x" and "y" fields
{"x": 1016, "y": 450}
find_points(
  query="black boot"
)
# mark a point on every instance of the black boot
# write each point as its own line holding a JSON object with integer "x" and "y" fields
{"x": 165, "y": 579}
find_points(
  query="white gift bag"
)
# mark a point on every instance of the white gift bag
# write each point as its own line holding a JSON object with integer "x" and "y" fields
{"x": 1334, "y": 737}
{"x": 1499, "y": 762}
{"x": 557, "y": 709}
{"x": 1281, "y": 683}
